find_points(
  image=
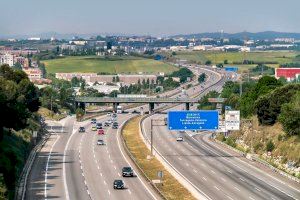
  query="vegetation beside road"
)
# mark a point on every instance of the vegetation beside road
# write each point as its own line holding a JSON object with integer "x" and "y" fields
{"x": 273, "y": 108}
{"x": 171, "y": 188}
{"x": 111, "y": 65}
{"x": 19, "y": 102}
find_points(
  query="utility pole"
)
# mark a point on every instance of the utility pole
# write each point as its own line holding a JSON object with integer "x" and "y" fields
{"x": 151, "y": 130}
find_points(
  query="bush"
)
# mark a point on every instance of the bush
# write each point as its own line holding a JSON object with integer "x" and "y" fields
{"x": 231, "y": 142}
{"x": 270, "y": 146}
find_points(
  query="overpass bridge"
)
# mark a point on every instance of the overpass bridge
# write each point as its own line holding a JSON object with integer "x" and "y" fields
{"x": 81, "y": 101}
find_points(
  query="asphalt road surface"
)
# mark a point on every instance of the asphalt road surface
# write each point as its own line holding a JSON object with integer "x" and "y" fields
{"x": 71, "y": 165}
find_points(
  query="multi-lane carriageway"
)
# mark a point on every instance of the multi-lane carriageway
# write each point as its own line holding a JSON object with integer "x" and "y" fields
{"x": 72, "y": 166}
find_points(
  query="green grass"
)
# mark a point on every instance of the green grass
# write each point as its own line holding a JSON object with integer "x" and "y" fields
{"x": 278, "y": 57}
{"x": 112, "y": 65}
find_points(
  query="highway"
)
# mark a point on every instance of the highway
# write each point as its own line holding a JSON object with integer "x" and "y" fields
{"x": 216, "y": 172}
{"x": 72, "y": 166}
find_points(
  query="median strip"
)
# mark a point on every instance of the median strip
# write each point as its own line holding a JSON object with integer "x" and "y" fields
{"x": 171, "y": 188}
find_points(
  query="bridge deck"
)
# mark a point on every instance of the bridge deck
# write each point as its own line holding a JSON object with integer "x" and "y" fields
{"x": 134, "y": 100}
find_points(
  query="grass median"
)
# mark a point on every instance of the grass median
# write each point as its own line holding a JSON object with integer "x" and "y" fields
{"x": 171, "y": 188}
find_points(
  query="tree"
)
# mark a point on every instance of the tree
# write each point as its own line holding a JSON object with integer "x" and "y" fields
{"x": 208, "y": 62}
{"x": 79, "y": 114}
{"x": 290, "y": 116}
{"x": 17, "y": 66}
{"x": 226, "y": 62}
{"x": 202, "y": 78}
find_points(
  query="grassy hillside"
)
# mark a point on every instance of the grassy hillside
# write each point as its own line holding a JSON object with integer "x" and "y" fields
{"x": 286, "y": 148}
{"x": 272, "y": 59}
{"x": 111, "y": 65}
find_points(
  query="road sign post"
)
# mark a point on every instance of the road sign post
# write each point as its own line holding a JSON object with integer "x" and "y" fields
{"x": 151, "y": 131}
{"x": 232, "y": 120}
{"x": 193, "y": 120}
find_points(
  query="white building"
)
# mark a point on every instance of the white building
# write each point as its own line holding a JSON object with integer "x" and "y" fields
{"x": 7, "y": 59}
{"x": 34, "y": 39}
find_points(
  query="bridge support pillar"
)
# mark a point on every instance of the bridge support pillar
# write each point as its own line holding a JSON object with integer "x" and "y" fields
{"x": 151, "y": 107}
{"x": 115, "y": 105}
{"x": 82, "y": 105}
{"x": 187, "y": 106}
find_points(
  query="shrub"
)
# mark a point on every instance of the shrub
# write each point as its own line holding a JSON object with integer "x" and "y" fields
{"x": 270, "y": 146}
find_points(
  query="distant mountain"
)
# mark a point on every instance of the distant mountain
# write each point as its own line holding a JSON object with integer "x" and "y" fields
{"x": 242, "y": 35}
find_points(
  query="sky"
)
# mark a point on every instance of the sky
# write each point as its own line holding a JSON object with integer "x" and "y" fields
{"x": 147, "y": 17}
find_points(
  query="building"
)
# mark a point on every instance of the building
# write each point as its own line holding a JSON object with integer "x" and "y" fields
{"x": 24, "y": 62}
{"x": 34, "y": 39}
{"x": 93, "y": 77}
{"x": 288, "y": 73}
{"x": 7, "y": 59}
{"x": 33, "y": 74}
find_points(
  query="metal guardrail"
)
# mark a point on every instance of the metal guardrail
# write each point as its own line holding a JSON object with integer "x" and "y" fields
{"x": 22, "y": 182}
{"x": 134, "y": 100}
{"x": 136, "y": 163}
{"x": 260, "y": 161}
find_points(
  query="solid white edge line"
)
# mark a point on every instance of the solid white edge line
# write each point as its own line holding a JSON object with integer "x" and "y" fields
{"x": 64, "y": 167}
{"x": 47, "y": 165}
{"x": 118, "y": 133}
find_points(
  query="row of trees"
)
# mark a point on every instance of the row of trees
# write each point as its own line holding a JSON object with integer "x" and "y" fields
{"x": 269, "y": 99}
{"x": 19, "y": 100}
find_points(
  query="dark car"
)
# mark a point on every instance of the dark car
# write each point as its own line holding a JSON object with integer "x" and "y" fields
{"x": 81, "y": 129}
{"x": 93, "y": 121}
{"x": 99, "y": 125}
{"x": 127, "y": 171}
{"x": 114, "y": 115}
{"x": 106, "y": 124}
{"x": 119, "y": 184}
{"x": 115, "y": 125}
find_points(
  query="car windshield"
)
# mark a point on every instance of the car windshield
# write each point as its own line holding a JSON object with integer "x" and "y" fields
{"x": 127, "y": 169}
{"x": 118, "y": 182}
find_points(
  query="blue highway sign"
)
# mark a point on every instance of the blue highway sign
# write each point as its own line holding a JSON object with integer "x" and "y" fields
{"x": 193, "y": 120}
{"x": 231, "y": 69}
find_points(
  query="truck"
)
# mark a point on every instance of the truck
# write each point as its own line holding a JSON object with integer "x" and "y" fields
{"x": 119, "y": 109}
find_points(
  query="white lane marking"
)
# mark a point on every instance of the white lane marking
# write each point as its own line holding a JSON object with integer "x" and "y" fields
{"x": 88, "y": 192}
{"x": 237, "y": 189}
{"x": 101, "y": 174}
{"x": 111, "y": 160}
{"x": 119, "y": 174}
{"x": 195, "y": 171}
{"x": 109, "y": 192}
{"x": 129, "y": 191}
{"x": 85, "y": 182}
{"x": 118, "y": 133}
{"x": 242, "y": 179}
{"x": 204, "y": 178}
{"x": 115, "y": 167}
{"x": 255, "y": 168}
{"x": 229, "y": 197}
{"x": 179, "y": 158}
{"x": 257, "y": 189}
{"x": 47, "y": 165}
{"x": 223, "y": 179}
{"x": 187, "y": 164}
{"x": 229, "y": 171}
{"x": 82, "y": 174}
{"x": 98, "y": 167}
{"x": 212, "y": 171}
{"x": 217, "y": 188}
{"x": 64, "y": 167}
{"x": 105, "y": 182}
{"x": 251, "y": 198}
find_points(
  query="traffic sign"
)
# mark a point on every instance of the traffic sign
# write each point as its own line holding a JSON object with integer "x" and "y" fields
{"x": 193, "y": 120}
{"x": 231, "y": 69}
{"x": 232, "y": 119}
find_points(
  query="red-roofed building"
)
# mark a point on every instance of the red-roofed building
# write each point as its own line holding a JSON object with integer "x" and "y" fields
{"x": 288, "y": 73}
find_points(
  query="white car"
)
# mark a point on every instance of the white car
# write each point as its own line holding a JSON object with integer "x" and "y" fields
{"x": 179, "y": 139}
